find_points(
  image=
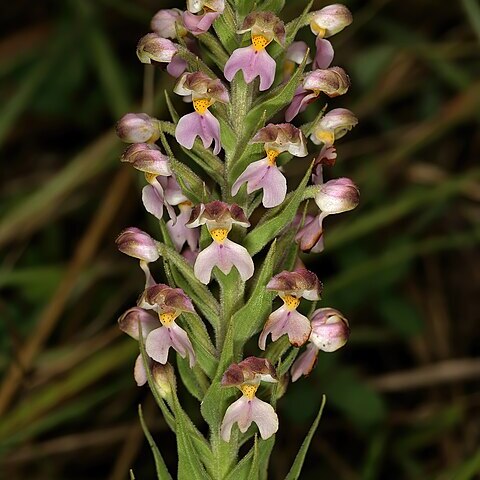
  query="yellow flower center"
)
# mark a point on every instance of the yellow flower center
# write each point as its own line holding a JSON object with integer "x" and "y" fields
{"x": 201, "y": 105}
{"x": 291, "y": 302}
{"x": 150, "y": 177}
{"x": 219, "y": 234}
{"x": 259, "y": 42}
{"x": 249, "y": 390}
{"x": 318, "y": 29}
{"x": 272, "y": 156}
{"x": 168, "y": 318}
{"x": 325, "y": 136}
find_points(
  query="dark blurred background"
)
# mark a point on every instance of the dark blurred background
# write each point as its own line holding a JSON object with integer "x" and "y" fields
{"x": 403, "y": 395}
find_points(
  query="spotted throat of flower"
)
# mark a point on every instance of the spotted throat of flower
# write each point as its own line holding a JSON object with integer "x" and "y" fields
{"x": 260, "y": 42}
{"x": 291, "y": 302}
{"x": 272, "y": 156}
{"x": 201, "y": 105}
{"x": 219, "y": 234}
{"x": 168, "y": 318}
{"x": 150, "y": 177}
{"x": 249, "y": 390}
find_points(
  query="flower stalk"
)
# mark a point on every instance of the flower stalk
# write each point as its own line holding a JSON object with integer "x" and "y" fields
{"x": 231, "y": 227}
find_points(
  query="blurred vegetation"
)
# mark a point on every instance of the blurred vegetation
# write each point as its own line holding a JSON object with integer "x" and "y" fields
{"x": 403, "y": 396}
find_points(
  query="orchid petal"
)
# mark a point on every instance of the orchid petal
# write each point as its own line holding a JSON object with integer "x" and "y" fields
{"x": 324, "y": 54}
{"x": 305, "y": 363}
{"x": 285, "y": 321}
{"x": 205, "y": 126}
{"x": 253, "y": 63}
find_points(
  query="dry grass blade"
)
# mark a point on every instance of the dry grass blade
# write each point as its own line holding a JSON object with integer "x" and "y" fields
{"x": 50, "y": 315}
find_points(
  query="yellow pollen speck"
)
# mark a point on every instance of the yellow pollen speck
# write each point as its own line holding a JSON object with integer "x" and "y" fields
{"x": 249, "y": 390}
{"x": 219, "y": 234}
{"x": 259, "y": 42}
{"x": 150, "y": 177}
{"x": 291, "y": 302}
{"x": 167, "y": 318}
{"x": 325, "y": 136}
{"x": 272, "y": 156}
{"x": 201, "y": 105}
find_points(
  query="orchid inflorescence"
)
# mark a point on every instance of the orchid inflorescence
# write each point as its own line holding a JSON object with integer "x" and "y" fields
{"x": 230, "y": 232}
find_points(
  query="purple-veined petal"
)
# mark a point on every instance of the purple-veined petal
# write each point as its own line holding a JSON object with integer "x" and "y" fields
{"x": 158, "y": 344}
{"x": 181, "y": 343}
{"x": 205, "y": 126}
{"x": 263, "y": 414}
{"x": 205, "y": 262}
{"x": 198, "y": 24}
{"x": 245, "y": 411}
{"x": 239, "y": 257}
{"x": 177, "y": 66}
{"x": 324, "y": 54}
{"x": 285, "y": 321}
{"x": 252, "y": 63}
{"x": 262, "y": 174}
{"x": 139, "y": 372}
{"x": 305, "y": 363}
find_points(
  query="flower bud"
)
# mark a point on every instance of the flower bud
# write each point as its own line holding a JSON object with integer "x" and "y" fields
{"x": 332, "y": 81}
{"x": 138, "y": 128}
{"x": 168, "y": 22}
{"x": 138, "y": 244}
{"x": 164, "y": 378}
{"x": 337, "y": 196}
{"x": 330, "y": 20}
{"x": 130, "y": 322}
{"x": 147, "y": 158}
{"x": 334, "y": 125}
{"x": 330, "y": 329}
{"x": 153, "y": 47}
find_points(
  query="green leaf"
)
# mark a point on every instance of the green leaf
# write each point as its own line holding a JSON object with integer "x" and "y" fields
{"x": 291, "y": 30}
{"x": 294, "y": 472}
{"x": 266, "y": 231}
{"x": 196, "y": 290}
{"x": 191, "y": 184}
{"x": 215, "y": 400}
{"x": 194, "y": 62}
{"x": 275, "y": 6}
{"x": 204, "y": 349}
{"x": 161, "y": 468}
{"x": 226, "y": 29}
{"x": 191, "y": 378}
{"x": 189, "y": 465}
{"x": 171, "y": 109}
{"x": 252, "y": 315}
{"x": 243, "y": 468}
{"x": 268, "y": 105}
{"x": 219, "y": 55}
